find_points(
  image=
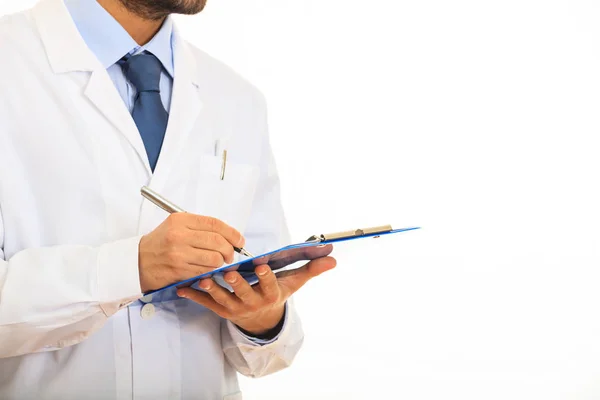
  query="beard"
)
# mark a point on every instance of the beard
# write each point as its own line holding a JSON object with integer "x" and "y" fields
{"x": 159, "y": 9}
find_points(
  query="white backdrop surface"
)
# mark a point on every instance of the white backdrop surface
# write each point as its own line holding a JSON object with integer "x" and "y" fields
{"x": 476, "y": 120}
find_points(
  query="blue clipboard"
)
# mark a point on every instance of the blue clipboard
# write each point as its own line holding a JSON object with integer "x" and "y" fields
{"x": 285, "y": 258}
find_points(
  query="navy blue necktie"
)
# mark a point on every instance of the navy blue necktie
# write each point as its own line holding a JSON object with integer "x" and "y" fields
{"x": 143, "y": 71}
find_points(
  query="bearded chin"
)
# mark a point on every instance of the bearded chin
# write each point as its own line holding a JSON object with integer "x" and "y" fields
{"x": 159, "y": 9}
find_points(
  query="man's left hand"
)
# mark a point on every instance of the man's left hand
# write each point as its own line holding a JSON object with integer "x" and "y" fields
{"x": 256, "y": 309}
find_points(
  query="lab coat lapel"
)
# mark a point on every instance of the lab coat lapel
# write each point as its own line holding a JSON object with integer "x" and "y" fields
{"x": 65, "y": 48}
{"x": 67, "y": 53}
{"x": 186, "y": 106}
{"x": 102, "y": 93}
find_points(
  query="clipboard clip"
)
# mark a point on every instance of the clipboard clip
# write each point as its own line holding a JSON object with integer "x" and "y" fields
{"x": 349, "y": 234}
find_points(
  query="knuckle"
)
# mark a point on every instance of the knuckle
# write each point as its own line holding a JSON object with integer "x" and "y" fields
{"x": 219, "y": 240}
{"x": 244, "y": 299}
{"x": 172, "y": 236}
{"x": 226, "y": 303}
{"x": 210, "y": 258}
{"x": 209, "y": 239}
{"x": 253, "y": 307}
{"x": 271, "y": 298}
{"x": 202, "y": 239}
{"x": 202, "y": 257}
{"x": 174, "y": 259}
{"x": 211, "y": 223}
{"x": 244, "y": 295}
{"x": 216, "y": 259}
{"x": 201, "y": 220}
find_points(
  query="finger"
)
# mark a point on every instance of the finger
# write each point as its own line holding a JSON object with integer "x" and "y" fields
{"x": 204, "y": 258}
{"x": 268, "y": 283}
{"x": 210, "y": 224}
{"x": 291, "y": 281}
{"x": 206, "y": 240}
{"x": 220, "y": 295}
{"x": 243, "y": 290}
{"x": 204, "y": 299}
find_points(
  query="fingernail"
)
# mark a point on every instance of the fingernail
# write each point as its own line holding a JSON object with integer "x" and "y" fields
{"x": 232, "y": 279}
{"x": 262, "y": 272}
{"x": 181, "y": 294}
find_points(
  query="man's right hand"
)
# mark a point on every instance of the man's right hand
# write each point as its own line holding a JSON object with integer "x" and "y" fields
{"x": 183, "y": 246}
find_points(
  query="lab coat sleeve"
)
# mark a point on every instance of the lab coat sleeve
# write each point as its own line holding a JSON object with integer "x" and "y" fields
{"x": 253, "y": 359}
{"x": 58, "y": 296}
{"x": 267, "y": 229}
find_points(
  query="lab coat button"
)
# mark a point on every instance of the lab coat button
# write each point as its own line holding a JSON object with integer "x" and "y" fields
{"x": 148, "y": 311}
{"x": 146, "y": 299}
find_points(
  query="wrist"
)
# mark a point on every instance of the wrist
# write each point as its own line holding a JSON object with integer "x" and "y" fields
{"x": 265, "y": 324}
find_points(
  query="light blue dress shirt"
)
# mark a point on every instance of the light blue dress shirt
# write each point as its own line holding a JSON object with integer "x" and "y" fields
{"x": 109, "y": 41}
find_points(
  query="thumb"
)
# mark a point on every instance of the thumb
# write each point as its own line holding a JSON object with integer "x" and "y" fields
{"x": 291, "y": 281}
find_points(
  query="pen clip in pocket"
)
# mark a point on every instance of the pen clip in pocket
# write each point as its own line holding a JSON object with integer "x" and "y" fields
{"x": 221, "y": 150}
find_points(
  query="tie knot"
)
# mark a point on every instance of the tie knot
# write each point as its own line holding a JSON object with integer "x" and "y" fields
{"x": 143, "y": 71}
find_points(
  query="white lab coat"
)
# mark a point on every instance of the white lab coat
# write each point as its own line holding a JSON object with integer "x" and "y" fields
{"x": 71, "y": 216}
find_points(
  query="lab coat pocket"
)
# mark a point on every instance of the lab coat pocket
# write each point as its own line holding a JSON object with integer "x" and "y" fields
{"x": 226, "y": 193}
{"x": 234, "y": 396}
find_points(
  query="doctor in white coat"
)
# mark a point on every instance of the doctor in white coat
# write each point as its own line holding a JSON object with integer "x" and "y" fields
{"x": 97, "y": 99}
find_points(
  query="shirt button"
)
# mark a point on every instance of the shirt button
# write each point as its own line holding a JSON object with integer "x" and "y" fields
{"x": 146, "y": 299}
{"x": 148, "y": 311}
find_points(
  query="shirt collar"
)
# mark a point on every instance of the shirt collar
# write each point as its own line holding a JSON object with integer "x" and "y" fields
{"x": 161, "y": 45}
{"x": 109, "y": 41}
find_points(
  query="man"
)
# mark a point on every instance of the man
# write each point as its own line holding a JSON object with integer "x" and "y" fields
{"x": 97, "y": 99}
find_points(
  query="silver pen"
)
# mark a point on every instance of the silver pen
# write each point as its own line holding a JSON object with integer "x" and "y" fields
{"x": 171, "y": 208}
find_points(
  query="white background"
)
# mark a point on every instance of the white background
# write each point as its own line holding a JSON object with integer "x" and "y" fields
{"x": 476, "y": 120}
